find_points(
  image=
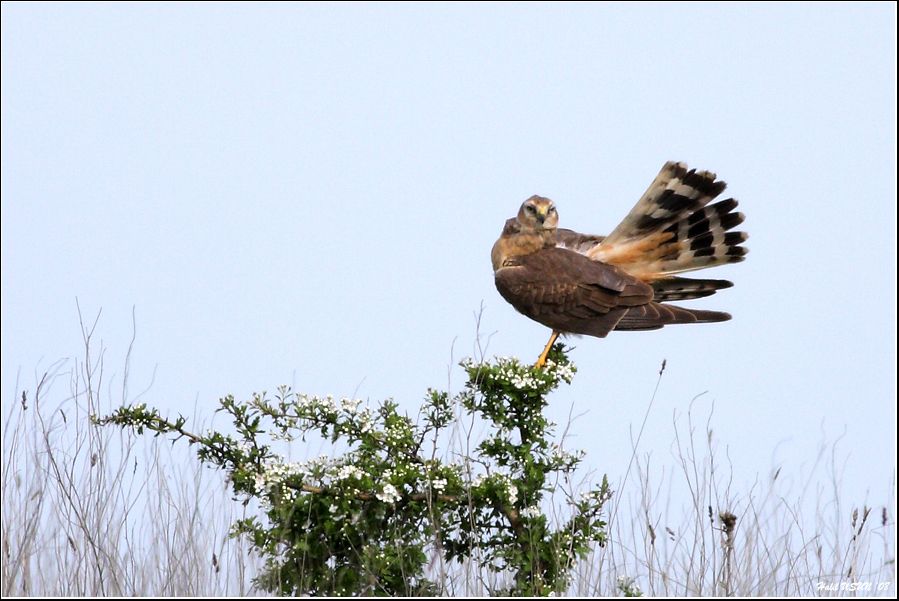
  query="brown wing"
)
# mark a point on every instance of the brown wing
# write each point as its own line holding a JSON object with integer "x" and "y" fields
{"x": 570, "y": 293}
{"x": 581, "y": 243}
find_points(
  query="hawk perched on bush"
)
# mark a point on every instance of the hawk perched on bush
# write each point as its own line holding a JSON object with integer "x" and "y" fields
{"x": 584, "y": 284}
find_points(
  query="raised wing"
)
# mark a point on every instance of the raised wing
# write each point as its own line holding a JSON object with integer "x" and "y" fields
{"x": 579, "y": 243}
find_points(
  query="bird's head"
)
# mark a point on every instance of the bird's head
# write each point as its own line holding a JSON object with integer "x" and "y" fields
{"x": 538, "y": 213}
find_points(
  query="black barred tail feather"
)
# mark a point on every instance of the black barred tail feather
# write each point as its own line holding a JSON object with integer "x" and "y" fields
{"x": 673, "y": 228}
{"x": 673, "y": 195}
{"x": 703, "y": 239}
{"x": 678, "y": 289}
{"x": 654, "y": 315}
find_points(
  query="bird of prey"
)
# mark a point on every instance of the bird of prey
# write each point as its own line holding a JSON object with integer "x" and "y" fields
{"x": 585, "y": 284}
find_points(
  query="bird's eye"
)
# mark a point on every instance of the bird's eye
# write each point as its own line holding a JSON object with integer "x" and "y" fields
{"x": 552, "y": 209}
{"x": 530, "y": 208}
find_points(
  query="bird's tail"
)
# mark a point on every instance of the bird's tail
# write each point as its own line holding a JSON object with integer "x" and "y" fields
{"x": 673, "y": 228}
{"x": 654, "y": 315}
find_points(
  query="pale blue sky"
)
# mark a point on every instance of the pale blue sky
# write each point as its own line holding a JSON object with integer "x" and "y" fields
{"x": 309, "y": 194}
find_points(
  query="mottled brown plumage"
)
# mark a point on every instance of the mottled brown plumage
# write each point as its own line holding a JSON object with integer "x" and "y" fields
{"x": 585, "y": 284}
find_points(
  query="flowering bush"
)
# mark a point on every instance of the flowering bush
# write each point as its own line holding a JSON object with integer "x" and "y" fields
{"x": 364, "y": 521}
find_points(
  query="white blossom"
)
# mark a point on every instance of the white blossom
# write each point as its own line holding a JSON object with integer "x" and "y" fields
{"x": 388, "y": 494}
{"x": 564, "y": 372}
{"x": 350, "y": 405}
{"x": 365, "y": 420}
{"x": 349, "y": 471}
{"x": 627, "y": 583}
{"x": 302, "y": 402}
{"x": 512, "y": 492}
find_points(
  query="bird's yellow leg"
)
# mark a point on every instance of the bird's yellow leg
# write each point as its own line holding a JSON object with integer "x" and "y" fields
{"x": 552, "y": 340}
